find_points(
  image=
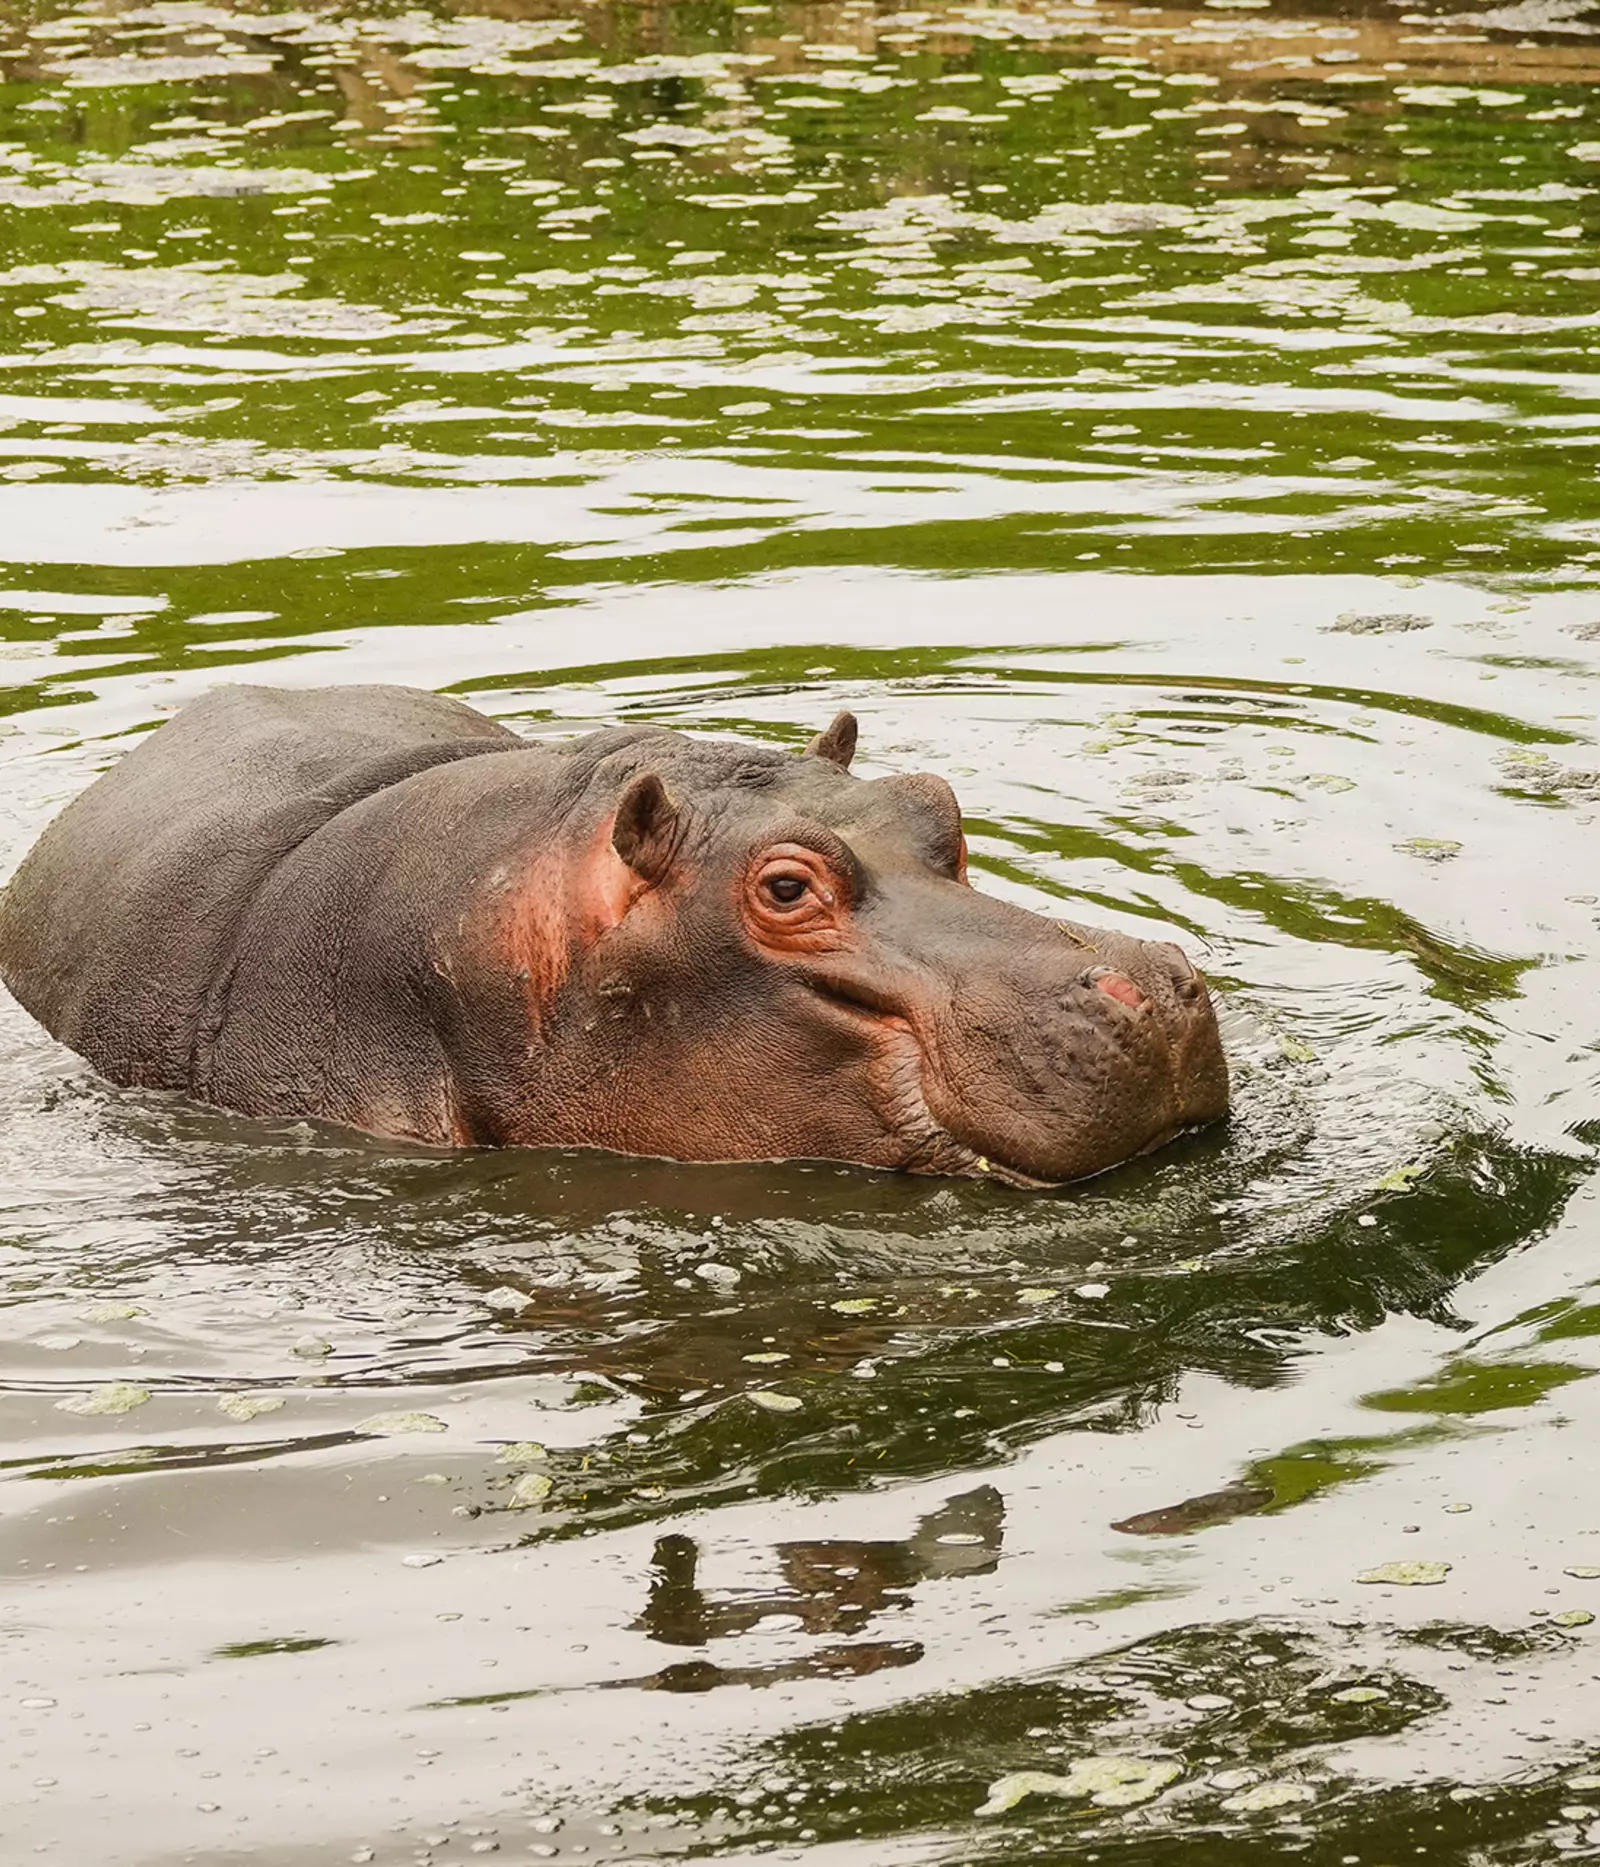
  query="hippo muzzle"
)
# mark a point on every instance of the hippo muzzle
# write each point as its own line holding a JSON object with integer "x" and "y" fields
{"x": 1028, "y": 1048}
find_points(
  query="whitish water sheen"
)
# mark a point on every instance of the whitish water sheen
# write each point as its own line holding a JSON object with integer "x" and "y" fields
{"x": 1175, "y": 427}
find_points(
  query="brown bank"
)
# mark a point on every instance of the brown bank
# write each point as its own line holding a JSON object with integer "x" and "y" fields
{"x": 377, "y": 907}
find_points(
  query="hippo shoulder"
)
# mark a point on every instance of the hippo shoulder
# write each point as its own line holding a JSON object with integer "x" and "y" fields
{"x": 116, "y": 927}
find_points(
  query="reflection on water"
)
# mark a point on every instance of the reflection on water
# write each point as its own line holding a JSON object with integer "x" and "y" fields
{"x": 1171, "y": 425}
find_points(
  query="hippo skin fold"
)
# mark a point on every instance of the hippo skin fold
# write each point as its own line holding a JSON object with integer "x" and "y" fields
{"x": 376, "y": 907}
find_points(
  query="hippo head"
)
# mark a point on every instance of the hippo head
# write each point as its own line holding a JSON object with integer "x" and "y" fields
{"x": 790, "y": 961}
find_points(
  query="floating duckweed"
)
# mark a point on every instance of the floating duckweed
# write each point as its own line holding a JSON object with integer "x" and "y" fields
{"x": 774, "y": 1403}
{"x": 1459, "y": 1510}
{"x": 523, "y": 1452}
{"x": 1331, "y": 781}
{"x": 1040, "y": 1295}
{"x": 1108, "y": 1782}
{"x": 1402, "y": 1178}
{"x": 243, "y": 1407}
{"x": 1359, "y": 1695}
{"x": 1351, "y": 622}
{"x": 111, "y": 1312}
{"x": 530, "y": 1489}
{"x": 1572, "y": 1617}
{"x": 1407, "y": 1574}
{"x": 854, "y": 1306}
{"x": 1429, "y": 848}
{"x": 1269, "y": 1796}
{"x": 1296, "y": 1051}
{"x": 1235, "y": 1779}
{"x": 392, "y": 1425}
{"x": 114, "y": 1397}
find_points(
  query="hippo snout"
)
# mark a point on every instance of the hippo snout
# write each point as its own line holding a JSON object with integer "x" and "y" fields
{"x": 1070, "y": 1059}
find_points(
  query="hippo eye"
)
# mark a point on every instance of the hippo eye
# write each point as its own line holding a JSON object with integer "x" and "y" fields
{"x": 794, "y": 894}
{"x": 786, "y": 890}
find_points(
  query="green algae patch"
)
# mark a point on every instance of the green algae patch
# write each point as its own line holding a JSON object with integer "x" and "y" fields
{"x": 396, "y": 1425}
{"x": 1267, "y": 1796}
{"x": 114, "y": 1397}
{"x": 1401, "y": 1179}
{"x": 522, "y": 1452}
{"x": 1106, "y": 1782}
{"x": 530, "y": 1490}
{"x": 1407, "y": 1574}
{"x": 245, "y": 1407}
{"x": 111, "y": 1312}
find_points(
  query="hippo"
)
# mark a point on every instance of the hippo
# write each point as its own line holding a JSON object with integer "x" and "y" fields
{"x": 375, "y": 907}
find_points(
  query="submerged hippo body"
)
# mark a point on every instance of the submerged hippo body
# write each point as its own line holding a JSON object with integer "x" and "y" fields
{"x": 377, "y": 907}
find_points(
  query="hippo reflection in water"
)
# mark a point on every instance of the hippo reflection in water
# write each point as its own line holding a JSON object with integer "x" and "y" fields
{"x": 376, "y": 907}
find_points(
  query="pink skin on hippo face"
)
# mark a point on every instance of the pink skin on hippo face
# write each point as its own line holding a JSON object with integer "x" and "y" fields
{"x": 376, "y": 907}
{"x": 804, "y": 970}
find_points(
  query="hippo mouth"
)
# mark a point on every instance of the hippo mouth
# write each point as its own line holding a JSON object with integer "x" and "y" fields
{"x": 948, "y": 1155}
{"x": 929, "y": 1147}
{"x": 910, "y": 1054}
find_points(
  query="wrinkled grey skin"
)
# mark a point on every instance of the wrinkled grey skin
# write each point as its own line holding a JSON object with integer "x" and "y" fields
{"x": 377, "y": 907}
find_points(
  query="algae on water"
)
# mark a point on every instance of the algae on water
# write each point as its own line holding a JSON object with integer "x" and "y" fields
{"x": 1106, "y": 1782}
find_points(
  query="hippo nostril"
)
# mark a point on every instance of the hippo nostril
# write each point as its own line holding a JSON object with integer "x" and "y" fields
{"x": 1117, "y": 985}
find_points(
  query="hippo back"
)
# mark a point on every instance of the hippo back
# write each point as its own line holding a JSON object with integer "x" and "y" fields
{"x": 117, "y": 931}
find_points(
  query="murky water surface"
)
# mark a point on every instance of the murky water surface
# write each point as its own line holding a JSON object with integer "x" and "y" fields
{"x": 1177, "y": 428}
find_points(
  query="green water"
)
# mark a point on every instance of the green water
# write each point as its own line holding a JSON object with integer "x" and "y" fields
{"x": 1178, "y": 429}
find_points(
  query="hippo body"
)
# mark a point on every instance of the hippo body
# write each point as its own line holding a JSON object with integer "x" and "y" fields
{"x": 377, "y": 907}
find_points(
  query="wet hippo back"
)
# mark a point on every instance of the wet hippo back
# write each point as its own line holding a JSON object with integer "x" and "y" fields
{"x": 118, "y": 930}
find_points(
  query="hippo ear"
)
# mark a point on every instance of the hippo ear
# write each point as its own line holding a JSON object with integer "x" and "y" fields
{"x": 838, "y": 744}
{"x": 645, "y": 833}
